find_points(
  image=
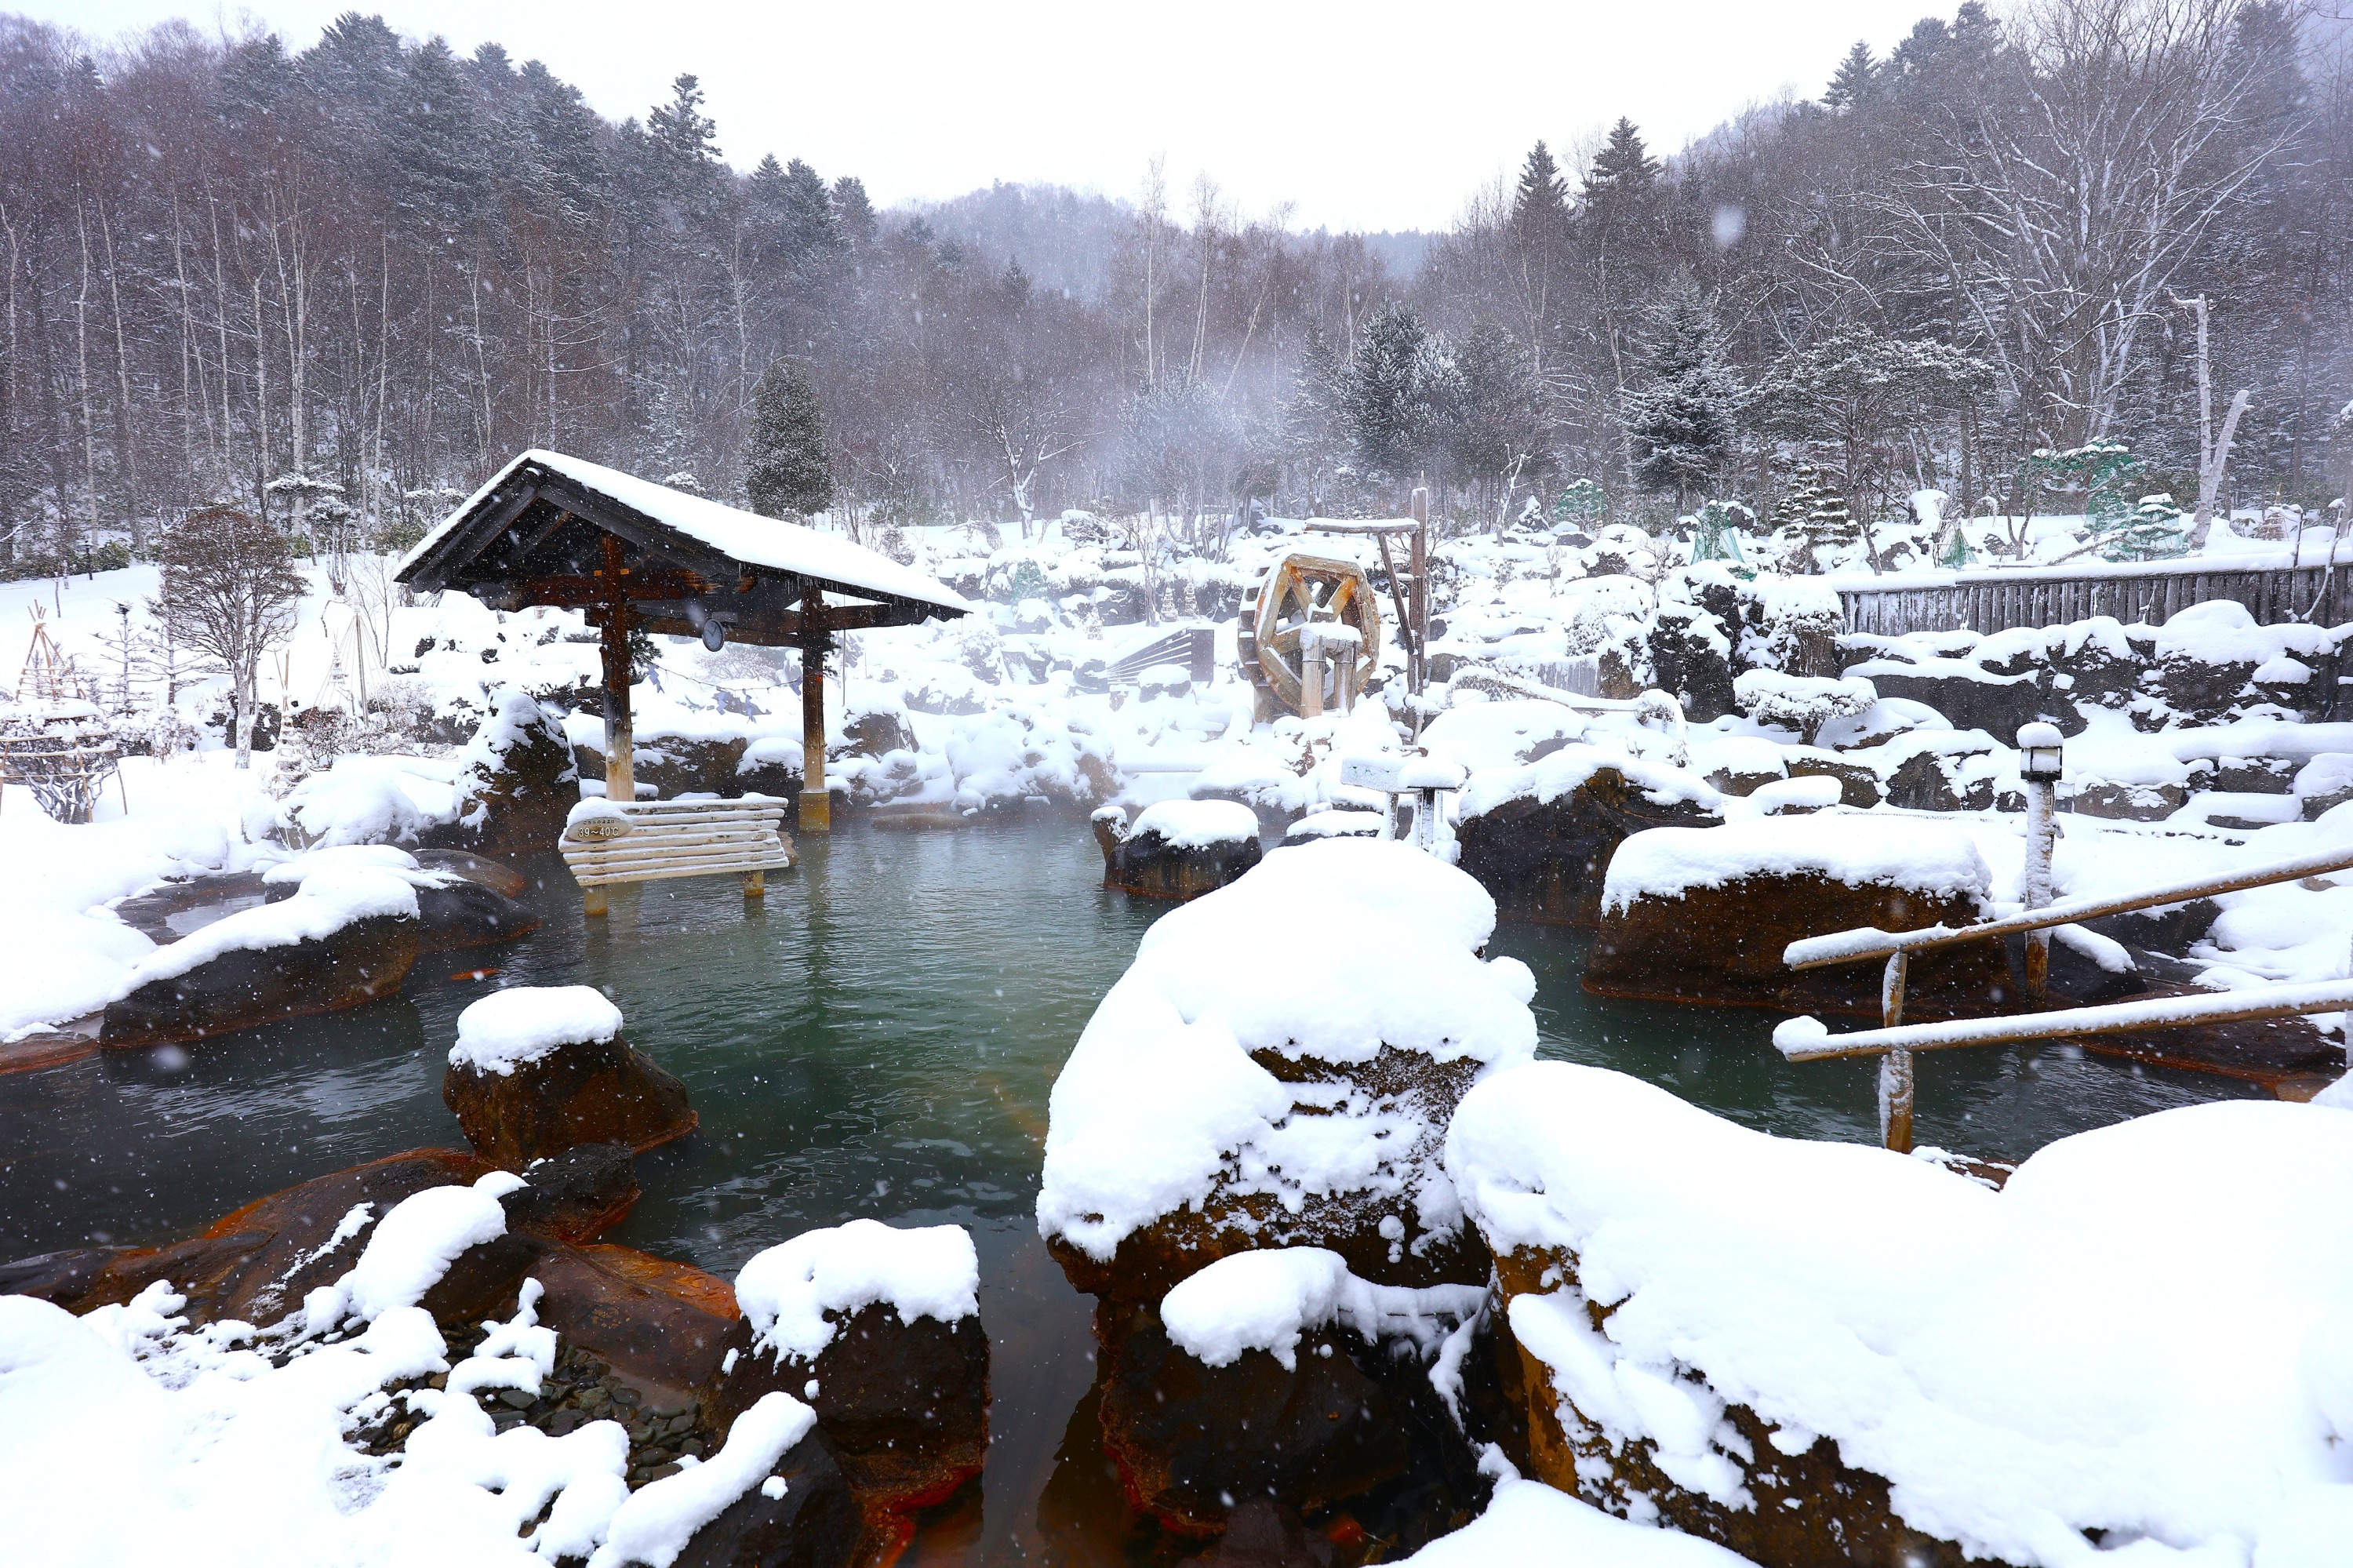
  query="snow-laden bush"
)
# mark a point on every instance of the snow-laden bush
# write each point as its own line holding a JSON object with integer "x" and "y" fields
{"x": 1801, "y": 703}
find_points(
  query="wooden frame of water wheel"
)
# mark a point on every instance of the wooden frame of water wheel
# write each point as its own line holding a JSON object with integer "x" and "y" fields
{"x": 1300, "y": 588}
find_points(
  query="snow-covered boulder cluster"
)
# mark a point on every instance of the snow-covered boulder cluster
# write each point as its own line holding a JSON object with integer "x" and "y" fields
{"x": 421, "y": 1358}
{"x": 1812, "y": 1352}
{"x": 1276, "y": 1067}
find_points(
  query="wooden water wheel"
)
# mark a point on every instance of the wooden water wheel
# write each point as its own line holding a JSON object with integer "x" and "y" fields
{"x": 1299, "y": 588}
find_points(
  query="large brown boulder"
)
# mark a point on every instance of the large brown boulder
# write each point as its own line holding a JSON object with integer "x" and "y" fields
{"x": 812, "y": 1521}
{"x": 256, "y": 1263}
{"x": 1539, "y": 837}
{"x": 340, "y": 942}
{"x": 1178, "y": 849}
{"x": 516, "y": 782}
{"x": 1382, "y": 1230}
{"x": 538, "y": 1070}
{"x": 1703, "y": 915}
{"x": 878, "y": 1329}
{"x": 1278, "y": 1375}
{"x": 1277, "y": 1069}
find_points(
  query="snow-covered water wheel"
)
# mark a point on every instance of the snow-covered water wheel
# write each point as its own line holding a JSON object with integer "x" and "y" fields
{"x": 1298, "y": 588}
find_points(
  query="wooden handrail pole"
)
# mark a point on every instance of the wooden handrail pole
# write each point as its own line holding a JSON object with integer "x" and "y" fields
{"x": 1895, "y": 1067}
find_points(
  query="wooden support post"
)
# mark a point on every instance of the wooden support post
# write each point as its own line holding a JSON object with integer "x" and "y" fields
{"x": 1310, "y": 672}
{"x": 621, "y": 770}
{"x": 1895, "y": 1067}
{"x": 1344, "y": 677}
{"x": 2041, "y": 830}
{"x": 816, "y": 807}
{"x": 592, "y": 901}
{"x": 756, "y": 884}
{"x": 1417, "y": 668}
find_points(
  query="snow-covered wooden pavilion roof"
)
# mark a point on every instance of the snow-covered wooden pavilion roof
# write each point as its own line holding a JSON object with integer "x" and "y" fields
{"x": 537, "y": 534}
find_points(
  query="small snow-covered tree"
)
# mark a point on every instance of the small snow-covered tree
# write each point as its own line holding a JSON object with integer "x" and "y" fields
{"x": 2154, "y": 531}
{"x": 228, "y": 594}
{"x": 1801, "y": 703}
{"x": 1581, "y": 502}
{"x": 786, "y": 470}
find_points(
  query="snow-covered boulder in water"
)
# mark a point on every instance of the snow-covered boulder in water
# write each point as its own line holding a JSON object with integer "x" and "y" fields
{"x": 1276, "y": 1069}
{"x": 541, "y": 1069}
{"x": 1702, "y": 915}
{"x": 1539, "y": 838}
{"x": 1816, "y": 1353}
{"x": 878, "y": 1329}
{"x": 348, "y": 935}
{"x": 1178, "y": 849}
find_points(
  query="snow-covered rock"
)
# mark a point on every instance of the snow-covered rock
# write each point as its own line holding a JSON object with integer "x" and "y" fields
{"x": 1276, "y": 1068}
{"x": 2133, "y": 1337}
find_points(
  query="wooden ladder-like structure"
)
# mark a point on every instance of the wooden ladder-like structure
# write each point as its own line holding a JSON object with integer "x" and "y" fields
{"x": 661, "y": 839}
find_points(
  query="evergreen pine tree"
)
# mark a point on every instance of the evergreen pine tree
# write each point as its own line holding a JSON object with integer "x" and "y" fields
{"x": 1683, "y": 422}
{"x": 2153, "y": 531}
{"x": 1623, "y": 168}
{"x": 1387, "y": 401}
{"x": 854, "y": 208}
{"x": 1857, "y": 79}
{"x": 787, "y": 472}
{"x": 1541, "y": 200}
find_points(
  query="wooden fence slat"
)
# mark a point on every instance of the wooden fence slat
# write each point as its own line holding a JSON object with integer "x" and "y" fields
{"x": 1987, "y": 604}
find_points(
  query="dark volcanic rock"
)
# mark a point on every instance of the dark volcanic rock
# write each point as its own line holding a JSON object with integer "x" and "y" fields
{"x": 1144, "y": 862}
{"x": 904, "y": 1405}
{"x": 587, "y": 1092}
{"x": 517, "y": 785}
{"x": 1543, "y": 859}
{"x": 469, "y": 914}
{"x": 1721, "y": 945}
{"x": 1410, "y": 1084}
{"x": 244, "y": 987}
{"x": 499, "y": 877}
{"x": 815, "y": 1523}
{"x": 577, "y": 1195}
{"x": 1345, "y": 1423}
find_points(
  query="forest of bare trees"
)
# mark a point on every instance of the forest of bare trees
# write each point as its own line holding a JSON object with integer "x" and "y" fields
{"x": 339, "y": 283}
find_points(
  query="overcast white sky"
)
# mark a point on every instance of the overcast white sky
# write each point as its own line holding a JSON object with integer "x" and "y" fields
{"x": 1365, "y": 116}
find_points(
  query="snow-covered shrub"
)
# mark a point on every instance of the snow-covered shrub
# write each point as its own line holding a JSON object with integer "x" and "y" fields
{"x": 1801, "y": 703}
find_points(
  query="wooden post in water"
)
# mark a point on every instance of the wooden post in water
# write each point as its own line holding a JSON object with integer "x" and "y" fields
{"x": 816, "y": 807}
{"x": 620, "y": 769}
{"x": 1895, "y": 1067}
{"x": 620, "y": 764}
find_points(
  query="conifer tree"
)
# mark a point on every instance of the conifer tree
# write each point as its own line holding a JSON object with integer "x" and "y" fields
{"x": 1623, "y": 166}
{"x": 1540, "y": 202}
{"x": 1855, "y": 80}
{"x": 1683, "y": 422}
{"x": 787, "y": 472}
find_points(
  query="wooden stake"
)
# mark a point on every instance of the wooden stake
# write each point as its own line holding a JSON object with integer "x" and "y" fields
{"x": 756, "y": 884}
{"x": 592, "y": 901}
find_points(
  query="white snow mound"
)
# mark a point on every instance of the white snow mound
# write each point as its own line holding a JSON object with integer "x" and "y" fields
{"x": 1325, "y": 950}
{"x": 522, "y": 1023}
{"x": 794, "y": 1296}
{"x": 1263, "y": 1300}
{"x": 2140, "y": 1334}
{"x": 1858, "y": 848}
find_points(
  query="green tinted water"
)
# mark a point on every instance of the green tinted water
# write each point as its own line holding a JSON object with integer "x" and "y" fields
{"x": 877, "y": 1038}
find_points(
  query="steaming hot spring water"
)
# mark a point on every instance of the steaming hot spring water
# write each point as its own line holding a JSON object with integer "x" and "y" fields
{"x": 879, "y": 1039}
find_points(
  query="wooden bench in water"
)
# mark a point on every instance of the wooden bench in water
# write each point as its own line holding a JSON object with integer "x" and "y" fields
{"x": 662, "y": 839}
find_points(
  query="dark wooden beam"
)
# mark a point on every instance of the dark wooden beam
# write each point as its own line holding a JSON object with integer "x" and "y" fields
{"x": 574, "y": 590}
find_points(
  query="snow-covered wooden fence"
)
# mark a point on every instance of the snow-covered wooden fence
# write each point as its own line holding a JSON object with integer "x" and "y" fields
{"x": 1996, "y": 600}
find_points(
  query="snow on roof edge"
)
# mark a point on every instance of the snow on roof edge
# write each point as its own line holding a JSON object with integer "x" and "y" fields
{"x": 734, "y": 533}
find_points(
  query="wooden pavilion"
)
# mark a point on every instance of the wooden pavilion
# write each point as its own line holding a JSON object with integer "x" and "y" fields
{"x": 633, "y": 555}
